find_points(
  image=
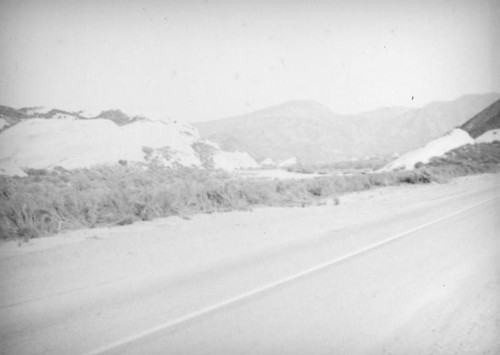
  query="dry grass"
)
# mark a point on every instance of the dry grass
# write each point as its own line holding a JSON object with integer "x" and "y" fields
{"x": 45, "y": 203}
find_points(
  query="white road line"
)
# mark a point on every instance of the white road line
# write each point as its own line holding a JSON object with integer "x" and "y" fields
{"x": 269, "y": 286}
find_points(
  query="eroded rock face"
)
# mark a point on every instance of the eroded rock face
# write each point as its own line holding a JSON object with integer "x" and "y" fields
{"x": 72, "y": 142}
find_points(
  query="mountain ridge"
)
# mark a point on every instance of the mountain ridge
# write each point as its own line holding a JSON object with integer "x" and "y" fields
{"x": 315, "y": 134}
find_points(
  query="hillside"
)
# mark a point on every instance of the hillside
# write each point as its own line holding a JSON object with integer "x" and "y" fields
{"x": 314, "y": 134}
{"x": 468, "y": 159}
{"x": 419, "y": 126}
{"x": 34, "y": 138}
{"x": 484, "y": 121}
{"x": 302, "y": 129}
{"x": 435, "y": 148}
{"x": 483, "y": 128}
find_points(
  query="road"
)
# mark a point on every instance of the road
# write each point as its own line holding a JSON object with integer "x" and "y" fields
{"x": 418, "y": 283}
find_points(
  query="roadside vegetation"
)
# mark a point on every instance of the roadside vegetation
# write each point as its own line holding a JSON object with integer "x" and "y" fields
{"x": 467, "y": 160}
{"x": 343, "y": 167}
{"x": 45, "y": 203}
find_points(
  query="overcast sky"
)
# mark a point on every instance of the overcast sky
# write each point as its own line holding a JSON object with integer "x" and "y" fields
{"x": 199, "y": 60}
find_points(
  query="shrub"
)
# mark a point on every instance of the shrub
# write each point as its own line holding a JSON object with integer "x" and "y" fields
{"x": 36, "y": 172}
{"x": 205, "y": 153}
{"x": 469, "y": 159}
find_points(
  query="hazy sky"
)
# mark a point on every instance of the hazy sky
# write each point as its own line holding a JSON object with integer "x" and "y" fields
{"x": 198, "y": 60}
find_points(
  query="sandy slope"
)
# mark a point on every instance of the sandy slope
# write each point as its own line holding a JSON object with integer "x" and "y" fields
{"x": 488, "y": 137}
{"x": 72, "y": 143}
{"x": 81, "y": 290}
{"x": 435, "y": 148}
{"x": 45, "y": 143}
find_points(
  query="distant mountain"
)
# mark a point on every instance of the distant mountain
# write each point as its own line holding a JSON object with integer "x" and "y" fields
{"x": 416, "y": 127}
{"x": 304, "y": 129}
{"x": 314, "y": 134}
{"x": 484, "y": 121}
{"x": 384, "y": 113}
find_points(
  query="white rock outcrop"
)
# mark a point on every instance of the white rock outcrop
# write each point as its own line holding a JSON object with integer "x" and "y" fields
{"x": 438, "y": 147}
{"x": 490, "y": 136}
{"x": 39, "y": 143}
{"x": 46, "y": 143}
{"x": 268, "y": 162}
{"x": 287, "y": 162}
{"x": 234, "y": 160}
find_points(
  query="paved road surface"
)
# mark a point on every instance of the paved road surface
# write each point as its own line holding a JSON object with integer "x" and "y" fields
{"x": 433, "y": 289}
